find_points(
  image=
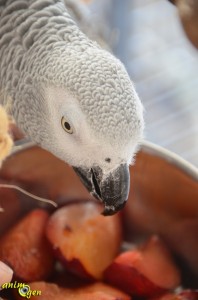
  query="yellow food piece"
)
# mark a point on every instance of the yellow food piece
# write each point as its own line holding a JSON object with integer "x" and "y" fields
{"x": 5, "y": 139}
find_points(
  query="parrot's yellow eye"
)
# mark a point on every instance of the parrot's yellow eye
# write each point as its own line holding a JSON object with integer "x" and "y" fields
{"x": 66, "y": 125}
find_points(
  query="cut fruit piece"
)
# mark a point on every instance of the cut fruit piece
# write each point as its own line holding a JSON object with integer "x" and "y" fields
{"x": 158, "y": 264}
{"x": 50, "y": 291}
{"x": 105, "y": 289}
{"x": 146, "y": 271}
{"x": 6, "y": 274}
{"x": 84, "y": 240}
{"x": 25, "y": 248}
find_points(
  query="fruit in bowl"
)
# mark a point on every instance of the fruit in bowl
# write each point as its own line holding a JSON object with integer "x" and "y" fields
{"x": 83, "y": 239}
{"x": 76, "y": 231}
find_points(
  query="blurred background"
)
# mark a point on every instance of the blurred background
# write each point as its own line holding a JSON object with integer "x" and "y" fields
{"x": 148, "y": 38}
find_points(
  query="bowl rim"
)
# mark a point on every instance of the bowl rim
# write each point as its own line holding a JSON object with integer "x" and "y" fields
{"x": 171, "y": 158}
{"x": 147, "y": 146}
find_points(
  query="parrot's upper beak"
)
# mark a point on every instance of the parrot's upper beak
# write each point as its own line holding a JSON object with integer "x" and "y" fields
{"x": 112, "y": 188}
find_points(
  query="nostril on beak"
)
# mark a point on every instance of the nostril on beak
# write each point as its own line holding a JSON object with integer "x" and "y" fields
{"x": 95, "y": 183}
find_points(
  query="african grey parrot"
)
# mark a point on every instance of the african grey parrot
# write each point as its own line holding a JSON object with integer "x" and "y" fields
{"x": 70, "y": 96}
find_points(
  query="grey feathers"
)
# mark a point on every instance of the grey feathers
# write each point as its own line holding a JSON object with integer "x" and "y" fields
{"x": 40, "y": 46}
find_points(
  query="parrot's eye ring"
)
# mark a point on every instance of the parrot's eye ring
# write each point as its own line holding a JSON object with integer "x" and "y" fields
{"x": 66, "y": 125}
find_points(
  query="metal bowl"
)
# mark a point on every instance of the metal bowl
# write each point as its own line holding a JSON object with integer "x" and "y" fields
{"x": 163, "y": 198}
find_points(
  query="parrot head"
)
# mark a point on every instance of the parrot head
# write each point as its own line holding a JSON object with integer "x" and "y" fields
{"x": 95, "y": 119}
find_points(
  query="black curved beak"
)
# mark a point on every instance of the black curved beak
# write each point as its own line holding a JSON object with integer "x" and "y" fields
{"x": 112, "y": 188}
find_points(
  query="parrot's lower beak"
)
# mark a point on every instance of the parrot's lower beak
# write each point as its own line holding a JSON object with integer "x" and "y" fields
{"x": 111, "y": 188}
